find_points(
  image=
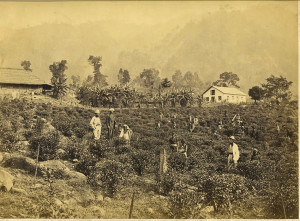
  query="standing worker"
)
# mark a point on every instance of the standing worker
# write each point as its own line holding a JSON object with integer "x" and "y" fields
{"x": 233, "y": 153}
{"x": 111, "y": 123}
{"x": 174, "y": 142}
{"x": 126, "y": 134}
{"x": 96, "y": 125}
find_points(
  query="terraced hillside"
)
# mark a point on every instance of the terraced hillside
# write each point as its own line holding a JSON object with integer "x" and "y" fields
{"x": 78, "y": 177}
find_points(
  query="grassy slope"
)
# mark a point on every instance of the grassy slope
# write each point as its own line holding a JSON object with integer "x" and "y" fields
{"x": 148, "y": 203}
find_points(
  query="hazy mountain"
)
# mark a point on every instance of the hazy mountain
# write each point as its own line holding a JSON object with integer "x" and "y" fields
{"x": 42, "y": 45}
{"x": 253, "y": 43}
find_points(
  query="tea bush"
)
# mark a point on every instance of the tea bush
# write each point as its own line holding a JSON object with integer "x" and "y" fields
{"x": 48, "y": 144}
{"x": 140, "y": 161}
{"x": 8, "y": 138}
{"x": 184, "y": 204}
{"x": 111, "y": 174}
{"x": 63, "y": 124}
{"x": 99, "y": 148}
{"x": 86, "y": 164}
{"x": 167, "y": 182}
{"x": 222, "y": 191}
{"x": 177, "y": 162}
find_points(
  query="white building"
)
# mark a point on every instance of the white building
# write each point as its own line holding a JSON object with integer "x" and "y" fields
{"x": 216, "y": 94}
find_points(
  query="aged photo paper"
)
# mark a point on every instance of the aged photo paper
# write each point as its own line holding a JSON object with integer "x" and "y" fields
{"x": 149, "y": 110}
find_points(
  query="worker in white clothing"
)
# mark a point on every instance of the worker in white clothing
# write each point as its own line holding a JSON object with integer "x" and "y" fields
{"x": 96, "y": 125}
{"x": 125, "y": 134}
{"x": 233, "y": 153}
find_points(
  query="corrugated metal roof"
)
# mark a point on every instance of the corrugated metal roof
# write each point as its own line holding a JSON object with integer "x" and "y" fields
{"x": 19, "y": 76}
{"x": 228, "y": 90}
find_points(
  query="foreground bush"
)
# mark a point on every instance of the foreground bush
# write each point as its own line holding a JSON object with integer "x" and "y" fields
{"x": 184, "y": 204}
{"x": 222, "y": 191}
{"x": 140, "y": 161}
{"x": 8, "y": 137}
{"x": 48, "y": 144}
{"x": 111, "y": 175}
{"x": 166, "y": 183}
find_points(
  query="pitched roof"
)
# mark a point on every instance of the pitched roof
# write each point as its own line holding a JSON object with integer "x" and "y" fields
{"x": 228, "y": 90}
{"x": 19, "y": 76}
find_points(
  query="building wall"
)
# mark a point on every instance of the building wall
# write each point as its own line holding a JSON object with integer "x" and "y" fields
{"x": 15, "y": 91}
{"x": 219, "y": 97}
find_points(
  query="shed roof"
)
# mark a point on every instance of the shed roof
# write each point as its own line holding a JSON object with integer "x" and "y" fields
{"x": 19, "y": 76}
{"x": 227, "y": 90}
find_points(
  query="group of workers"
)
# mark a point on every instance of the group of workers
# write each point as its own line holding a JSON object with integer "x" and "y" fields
{"x": 124, "y": 130}
{"x": 233, "y": 154}
{"x": 176, "y": 144}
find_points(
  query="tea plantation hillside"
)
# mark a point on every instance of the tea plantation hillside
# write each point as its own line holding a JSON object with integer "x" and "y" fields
{"x": 78, "y": 177}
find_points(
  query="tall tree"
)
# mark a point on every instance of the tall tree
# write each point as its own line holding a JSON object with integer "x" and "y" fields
{"x": 277, "y": 88}
{"x": 227, "y": 79}
{"x": 177, "y": 79}
{"x": 256, "y": 93}
{"x": 26, "y": 65}
{"x": 150, "y": 78}
{"x": 99, "y": 79}
{"x": 123, "y": 77}
{"x": 165, "y": 83}
{"x": 59, "y": 80}
{"x": 188, "y": 80}
{"x": 75, "y": 82}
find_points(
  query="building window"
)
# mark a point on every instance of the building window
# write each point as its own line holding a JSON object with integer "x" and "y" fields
{"x": 213, "y": 99}
{"x": 227, "y": 97}
{"x": 232, "y": 97}
{"x": 207, "y": 98}
{"x": 219, "y": 98}
{"x": 212, "y": 92}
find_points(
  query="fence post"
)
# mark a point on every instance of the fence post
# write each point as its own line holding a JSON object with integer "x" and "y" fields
{"x": 36, "y": 162}
{"x": 163, "y": 167}
{"x": 131, "y": 206}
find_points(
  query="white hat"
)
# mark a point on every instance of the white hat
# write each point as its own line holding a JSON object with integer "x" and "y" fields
{"x": 232, "y": 137}
{"x": 97, "y": 111}
{"x": 111, "y": 109}
{"x": 126, "y": 126}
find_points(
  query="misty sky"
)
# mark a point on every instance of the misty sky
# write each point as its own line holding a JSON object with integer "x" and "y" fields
{"x": 20, "y": 15}
{"x": 122, "y": 37}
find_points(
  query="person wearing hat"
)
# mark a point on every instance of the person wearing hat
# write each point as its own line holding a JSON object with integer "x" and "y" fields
{"x": 110, "y": 123}
{"x": 233, "y": 153}
{"x": 96, "y": 125}
{"x": 126, "y": 134}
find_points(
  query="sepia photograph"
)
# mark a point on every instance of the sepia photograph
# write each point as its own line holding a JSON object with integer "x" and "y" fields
{"x": 149, "y": 110}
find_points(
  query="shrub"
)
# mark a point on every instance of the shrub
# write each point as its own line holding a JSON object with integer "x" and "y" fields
{"x": 74, "y": 149}
{"x": 183, "y": 204}
{"x": 257, "y": 171}
{"x": 48, "y": 144}
{"x": 148, "y": 143}
{"x": 222, "y": 191}
{"x": 140, "y": 161}
{"x": 99, "y": 148}
{"x": 63, "y": 124}
{"x": 8, "y": 139}
{"x": 111, "y": 175}
{"x": 86, "y": 164}
{"x": 80, "y": 131}
{"x": 178, "y": 162}
{"x": 166, "y": 183}
{"x": 28, "y": 134}
{"x": 282, "y": 201}
{"x": 121, "y": 148}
